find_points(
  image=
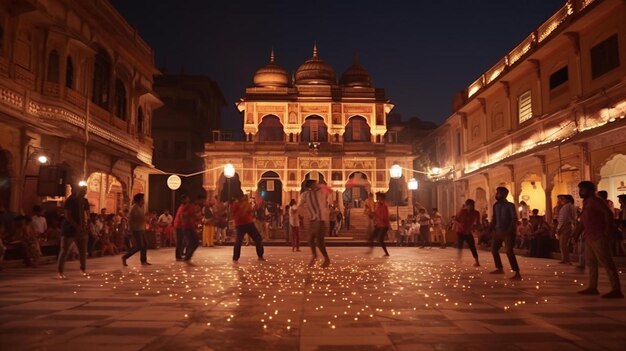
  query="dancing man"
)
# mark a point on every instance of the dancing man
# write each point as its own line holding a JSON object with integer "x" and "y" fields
{"x": 244, "y": 223}
{"x": 505, "y": 225}
{"x": 381, "y": 223}
{"x": 466, "y": 220}
{"x": 314, "y": 200}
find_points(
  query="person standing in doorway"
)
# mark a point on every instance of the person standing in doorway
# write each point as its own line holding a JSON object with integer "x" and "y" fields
{"x": 597, "y": 222}
{"x": 466, "y": 220}
{"x": 294, "y": 225}
{"x": 381, "y": 223}
{"x": 40, "y": 225}
{"x": 137, "y": 223}
{"x": 424, "y": 221}
{"x": 244, "y": 224}
{"x": 74, "y": 229}
{"x": 566, "y": 219}
{"x": 314, "y": 201}
{"x": 505, "y": 227}
{"x": 439, "y": 232}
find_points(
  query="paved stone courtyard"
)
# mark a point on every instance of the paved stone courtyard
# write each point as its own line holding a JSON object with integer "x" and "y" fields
{"x": 414, "y": 300}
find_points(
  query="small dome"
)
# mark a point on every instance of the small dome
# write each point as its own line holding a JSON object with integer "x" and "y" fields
{"x": 356, "y": 76}
{"x": 271, "y": 75}
{"x": 315, "y": 71}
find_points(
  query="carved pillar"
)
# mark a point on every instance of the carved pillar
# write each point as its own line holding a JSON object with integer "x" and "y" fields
{"x": 574, "y": 39}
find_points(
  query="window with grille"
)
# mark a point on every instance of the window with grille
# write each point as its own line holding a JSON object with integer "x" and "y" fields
{"x": 524, "y": 107}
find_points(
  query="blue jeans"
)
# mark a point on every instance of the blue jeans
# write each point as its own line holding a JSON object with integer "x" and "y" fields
{"x": 191, "y": 240}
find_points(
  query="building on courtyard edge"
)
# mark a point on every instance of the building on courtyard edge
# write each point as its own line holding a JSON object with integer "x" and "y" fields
{"x": 547, "y": 115}
{"x": 76, "y": 87}
{"x": 311, "y": 127}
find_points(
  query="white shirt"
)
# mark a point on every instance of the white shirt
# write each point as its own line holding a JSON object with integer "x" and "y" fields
{"x": 165, "y": 219}
{"x": 294, "y": 219}
{"x": 39, "y": 224}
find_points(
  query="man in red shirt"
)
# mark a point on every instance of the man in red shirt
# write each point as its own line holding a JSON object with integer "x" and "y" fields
{"x": 466, "y": 219}
{"x": 381, "y": 223}
{"x": 596, "y": 221}
{"x": 185, "y": 222}
{"x": 244, "y": 223}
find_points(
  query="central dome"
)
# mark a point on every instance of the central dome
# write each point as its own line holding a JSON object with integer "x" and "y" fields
{"x": 356, "y": 76}
{"x": 271, "y": 75}
{"x": 315, "y": 71}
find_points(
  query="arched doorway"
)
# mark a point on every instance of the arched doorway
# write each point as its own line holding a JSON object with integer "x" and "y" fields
{"x": 229, "y": 189}
{"x": 319, "y": 177}
{"x": 357, "y": 130}
{"x": 5, "y": 180}
{"x": 105, "y": 191}
{"x": 533, "y": 194}
{"x": 613, "y": 177}
{"x": 565, "y": 182}
{"x": 357, "y": 189}
{"x": 270, "y": 129}
{"x": 314, "y": 130}
{"x": 270, "y": 188}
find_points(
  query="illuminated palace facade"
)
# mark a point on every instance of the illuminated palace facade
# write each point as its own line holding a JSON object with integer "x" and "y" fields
{"x": 547, "y": 115}
{"x": 76, "y": 87}
{"x": 310, "y": 127}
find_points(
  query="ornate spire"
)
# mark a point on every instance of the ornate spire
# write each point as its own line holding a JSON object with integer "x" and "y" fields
{"x": 315, "y": 49}
{"x": 355, "y": 58}
{"x": 272, "y": 56}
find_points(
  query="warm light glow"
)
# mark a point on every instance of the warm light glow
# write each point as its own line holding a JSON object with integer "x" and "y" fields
{"x": 229, "y": 170}
{"x": 413, "y": 184}
{"x": 435, "y": 170}
{"x": 82, "y": 183}
{"x": 42, "y": 159}
{"x": 395, "y": 171}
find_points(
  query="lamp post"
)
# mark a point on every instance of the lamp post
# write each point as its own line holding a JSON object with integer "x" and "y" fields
{"x": 396, "y": 172}
{"x": 413, "y": 185}
{"x": 229, "y": 172}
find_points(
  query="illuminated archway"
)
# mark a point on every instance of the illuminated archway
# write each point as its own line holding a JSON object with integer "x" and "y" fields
{"x": 270, "y": 188}
{"x": 270, "y": 129}
{"x": 357, "y": 187}
{"x": 613, "y": 177}
{"x": 312, "y": 175}
{"x": 314, "y": 130}
{"x": 565, "y": 182}
{"x": 105, "y": 191}
{"x": 533, "y": 194}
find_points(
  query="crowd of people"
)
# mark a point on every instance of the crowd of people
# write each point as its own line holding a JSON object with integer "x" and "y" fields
{"x": 594, "y": 231}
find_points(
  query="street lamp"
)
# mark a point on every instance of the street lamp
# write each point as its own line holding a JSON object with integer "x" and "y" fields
{"x": 42, "y": 159}
{"x": 396, "y": 172}
{"x": 82, "y": 183}
{"x": 229, "y": 172}
{"x": 413, "y": 185}
{"x": 436, "y": 170}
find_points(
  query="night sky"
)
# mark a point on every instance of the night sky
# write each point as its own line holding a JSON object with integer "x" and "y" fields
{"x": 421, "y": 52}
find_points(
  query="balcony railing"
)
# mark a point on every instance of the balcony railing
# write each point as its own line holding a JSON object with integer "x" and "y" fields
{"x": 24, "y": 77}
{"x": 51, "y": 89}
{"x": 75, "y": 98}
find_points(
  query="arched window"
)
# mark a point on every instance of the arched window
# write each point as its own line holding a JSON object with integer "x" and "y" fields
{"x": 357, "y": 130}
{"x": 120, "y": 100}
{"x": 101, "y": 77}
{"x": 69, "y": 73}
{"x": 53, "y": 67}
{"x": 270, "y": 129}
{"x": 314, "y": 130}
{"x": 140, "y": 129}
